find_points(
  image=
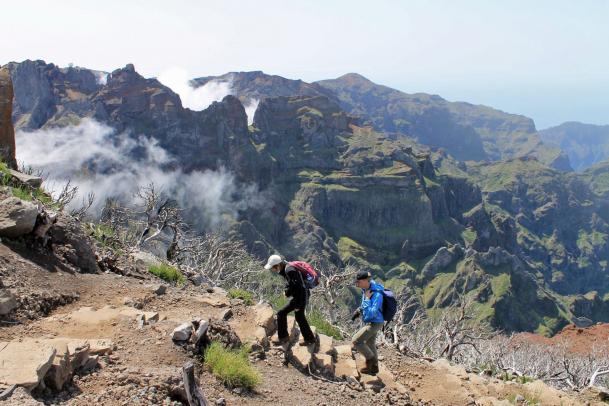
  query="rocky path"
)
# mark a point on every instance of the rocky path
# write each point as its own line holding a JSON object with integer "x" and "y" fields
{"x": 111, "y": 344}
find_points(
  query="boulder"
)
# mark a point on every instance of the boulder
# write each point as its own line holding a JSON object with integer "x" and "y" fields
{"x": 344, "y": 351}
{"x": 159, "y": 289}
{"x": 25, "y": 363}
{"x": 302, "y": 357}
{"x": 144, "y": 260}
{"x": 261, "y": 336}
{"x": 70, "y": 355}
{"x": 100, "y": 346}
{"x": 226, "y": 314}
{"x": 72, "y": 243}
{"x": 31, "y": 181}
{"x": 325, "y": 364}
{"x": 17, "y": 217}
{"x": 345, "y": 368}
{"x": 265, "y": 317}
{"x": 326, "y": 345}
{"x": 221, "y": 331}
{"x": 182, "y": 332}
{"x": 8, "y": 303}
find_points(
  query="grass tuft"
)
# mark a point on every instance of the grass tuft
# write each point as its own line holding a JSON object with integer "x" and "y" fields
{"x": 167, "y": 273}
{"x": 322, "y": 325}
{"x": 246, "y": 296}
{"x": 231, "y": 367}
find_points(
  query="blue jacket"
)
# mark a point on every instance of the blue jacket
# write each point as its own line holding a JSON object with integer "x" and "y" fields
{"x": 372, "y": 309}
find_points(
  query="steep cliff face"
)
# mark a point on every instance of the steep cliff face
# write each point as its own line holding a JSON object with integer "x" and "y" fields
{"x": 46, "y": 95}
{"x": 7, "y": 134}
{"x": 335, "y": 184}
{"x": 557, "y": 218}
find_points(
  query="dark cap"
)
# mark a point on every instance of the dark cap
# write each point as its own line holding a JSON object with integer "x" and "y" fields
{"x": 361, "y": 275}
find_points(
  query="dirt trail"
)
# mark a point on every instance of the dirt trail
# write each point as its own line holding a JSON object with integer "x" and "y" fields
{"x": 144, "y": 367}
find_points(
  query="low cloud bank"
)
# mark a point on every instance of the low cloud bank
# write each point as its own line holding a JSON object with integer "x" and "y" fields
{"x": 97, "y": 159}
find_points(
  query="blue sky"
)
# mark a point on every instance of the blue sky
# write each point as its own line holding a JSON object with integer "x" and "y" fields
{"x": 548, "y": 60}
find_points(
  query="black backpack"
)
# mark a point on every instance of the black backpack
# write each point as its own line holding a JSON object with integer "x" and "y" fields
{"x": 390, "y": 305}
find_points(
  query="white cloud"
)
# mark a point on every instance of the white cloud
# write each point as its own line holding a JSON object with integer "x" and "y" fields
{"x": 194, "y": 98}
{"x": 250, "y": 109}
{"x": 96, "y": 159}
{"x": 200, "y": 98}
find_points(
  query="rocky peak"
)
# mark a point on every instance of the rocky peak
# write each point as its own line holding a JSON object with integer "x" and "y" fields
{"x": 259, "y": 85}
{"x": 40, "y": 89}
{"x": 316, "y": 119}
{"x": 354, "y": 79}
{"x": 7, "y": 134}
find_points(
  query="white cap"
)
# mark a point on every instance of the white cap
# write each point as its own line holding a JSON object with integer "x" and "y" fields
{"x": 273, "y": 260}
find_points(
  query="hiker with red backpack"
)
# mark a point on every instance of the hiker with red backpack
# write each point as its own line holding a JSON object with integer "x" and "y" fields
{"x": 378, "y": 306}
{"x": 300, "y": 277}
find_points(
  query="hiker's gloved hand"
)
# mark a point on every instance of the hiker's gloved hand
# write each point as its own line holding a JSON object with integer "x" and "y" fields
{"x": 357, "y": 313}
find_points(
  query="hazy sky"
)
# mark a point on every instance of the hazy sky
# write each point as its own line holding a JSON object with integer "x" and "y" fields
{"x": 548, "y": 60}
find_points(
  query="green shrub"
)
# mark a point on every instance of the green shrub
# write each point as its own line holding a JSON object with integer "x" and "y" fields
{"x": 5, "y": 175}
{"x": 322, "y": 325}
{"x": 167, "y": 273}
{"x": 231, "y": 367}
{"x": 278, "y": 301}
{"x": 22, "y": 194}
{"x": 247, "y": 297}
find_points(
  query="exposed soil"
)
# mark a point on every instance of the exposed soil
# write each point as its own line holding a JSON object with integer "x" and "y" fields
{"x": 145, "y": 365}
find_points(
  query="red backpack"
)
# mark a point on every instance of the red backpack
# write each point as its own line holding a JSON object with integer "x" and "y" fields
{"x": 309, "y": 274}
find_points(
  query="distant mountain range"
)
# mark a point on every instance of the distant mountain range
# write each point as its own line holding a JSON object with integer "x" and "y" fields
{"x": 585, "y": 144}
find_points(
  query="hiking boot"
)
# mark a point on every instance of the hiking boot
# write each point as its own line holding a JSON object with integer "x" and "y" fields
{"x": 281, "y": 341}
{"x": 307, "y": 343}
{"x": 371, "y": 368}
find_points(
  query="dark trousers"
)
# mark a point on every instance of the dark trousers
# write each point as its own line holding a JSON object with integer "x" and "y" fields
{"x": 282, "y": 321}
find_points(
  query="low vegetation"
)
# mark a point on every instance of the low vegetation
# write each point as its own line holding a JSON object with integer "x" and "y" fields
{"x": 317, "y": 320}
{"x": 167, "y": 273}
{"x": 246, "y": 296}
{"x": 231, "y": 367}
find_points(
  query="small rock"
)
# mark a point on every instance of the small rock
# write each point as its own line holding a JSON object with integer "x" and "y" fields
{"x": 220, "y": 402}
{"x": 141, "y": 322}
{"x": 159, "y": 289}
{"x": 182, "y": 332}
{"x": 7, "y": 302}
{"x": 226, "y": 314}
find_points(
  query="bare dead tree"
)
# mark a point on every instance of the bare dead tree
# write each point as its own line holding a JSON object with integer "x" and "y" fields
{"x": 82, "y": 211}
{"x": 219, "y": 260}
{"x": 332, "y": 281}
{"x": 408, "y": 314}
{"x": 159, "y": 211}
{"x": 460, "y": 329}
{"x": 66, "y": 195}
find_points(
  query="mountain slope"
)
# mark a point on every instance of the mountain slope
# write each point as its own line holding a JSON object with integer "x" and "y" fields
{"x": 586, "y": 144}
{"x": 466, "y": 131}
{"x": 511, "y": 234}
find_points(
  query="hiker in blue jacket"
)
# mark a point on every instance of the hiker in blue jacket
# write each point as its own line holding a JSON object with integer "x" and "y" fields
{"x": 371, "y": 311}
